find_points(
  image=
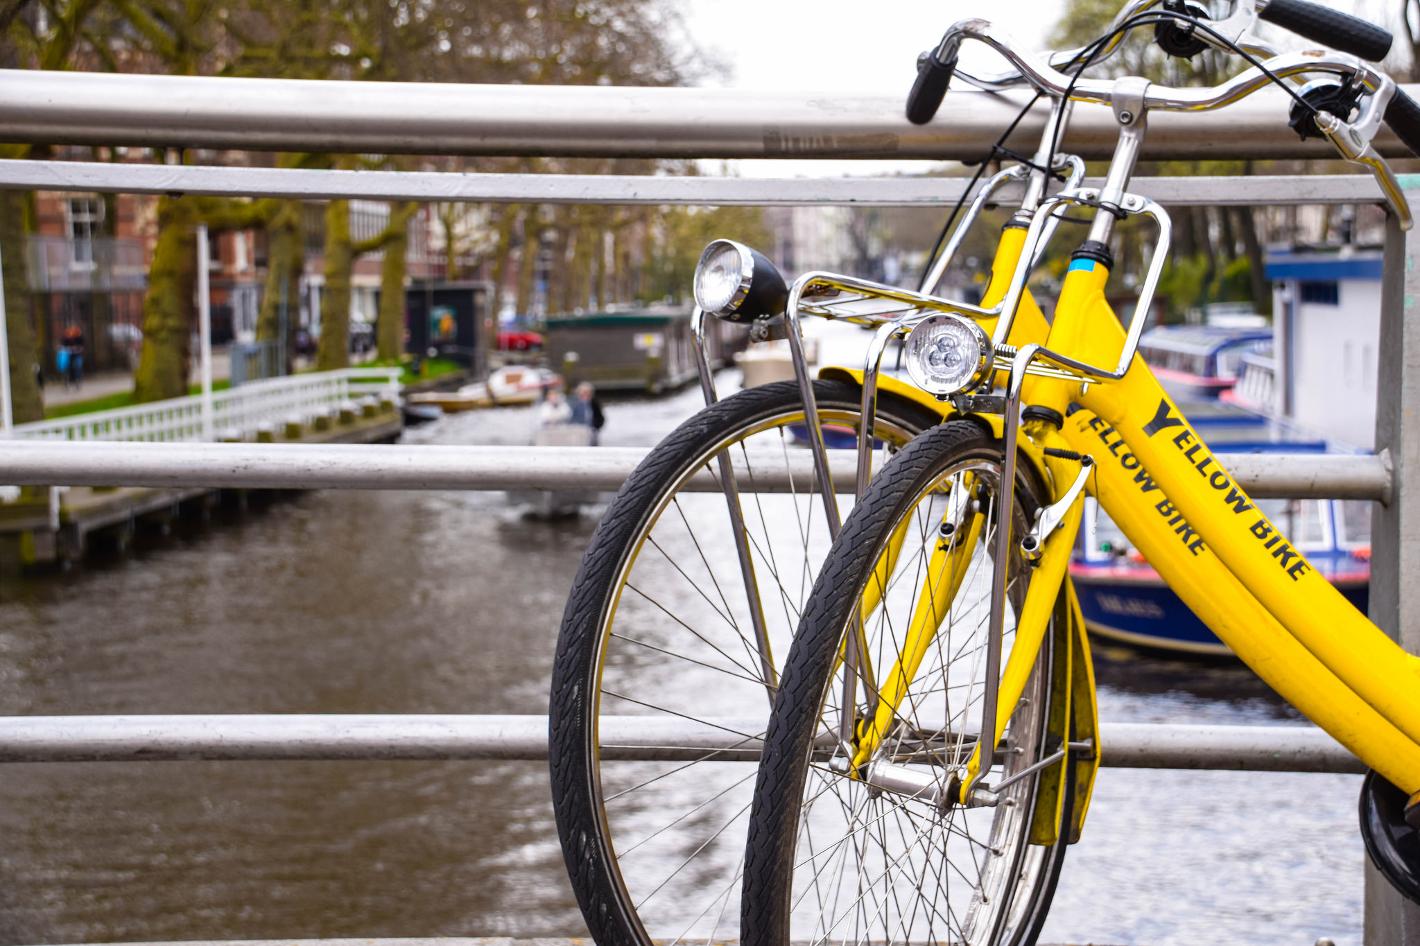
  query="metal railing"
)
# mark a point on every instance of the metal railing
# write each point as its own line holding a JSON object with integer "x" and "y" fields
{"x": 236, "y": 412}
{"x": 604, "y": 121}
{"x": 427, "y": 467}
{"x": 299, "y": 737}
{"x": 203, "y": 112}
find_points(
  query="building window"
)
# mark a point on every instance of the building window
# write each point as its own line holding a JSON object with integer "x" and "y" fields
{"x": 1320, "y": 293}
{"x": 86, "y": 216}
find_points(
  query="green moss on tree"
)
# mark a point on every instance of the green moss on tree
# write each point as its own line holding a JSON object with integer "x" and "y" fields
{"x": 390, "y": 326}
{"x": 19, "y": 326}
{"x": 168, "y": 303}
{"x": 285, "y": 254}
{"x": 333, "y": 350}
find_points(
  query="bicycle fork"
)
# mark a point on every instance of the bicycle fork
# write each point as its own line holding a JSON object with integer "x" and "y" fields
{"x": 1045, "y": 547}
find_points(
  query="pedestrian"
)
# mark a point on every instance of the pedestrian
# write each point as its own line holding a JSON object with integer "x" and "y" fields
{"x": 587, "y": 409}
{"x": 61, "y": 364}
{"x": 74, "y": 345}
{"x": 554, "y": 409}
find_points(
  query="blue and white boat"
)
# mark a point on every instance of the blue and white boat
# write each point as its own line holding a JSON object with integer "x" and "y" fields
{"x": 1125, "y": 601}
{"x": 1200, "y": 362}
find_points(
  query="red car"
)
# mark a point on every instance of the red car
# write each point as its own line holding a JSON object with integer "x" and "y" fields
{"x": 518, "y": 340}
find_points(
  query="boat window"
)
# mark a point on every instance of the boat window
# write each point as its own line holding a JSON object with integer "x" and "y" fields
{"x": 1300, "y": 520}
{"x": 1320, "y": 292}
{"x": 1353, "y": 523}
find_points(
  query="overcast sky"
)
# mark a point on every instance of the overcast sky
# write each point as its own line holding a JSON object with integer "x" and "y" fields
{"x": 843, "y": 45}
{"x": 854, "y": 47}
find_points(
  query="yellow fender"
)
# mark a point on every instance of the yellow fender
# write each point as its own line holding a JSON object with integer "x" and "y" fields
{"x": 1074, "y": 714}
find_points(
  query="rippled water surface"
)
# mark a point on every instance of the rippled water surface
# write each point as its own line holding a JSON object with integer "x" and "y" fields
{"x": 350, "y": 602}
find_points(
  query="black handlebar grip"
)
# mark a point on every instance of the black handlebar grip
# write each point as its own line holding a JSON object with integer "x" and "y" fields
{"x": 1403, "y": 117}
{"x": 929, "y": 88}
{"x": 1330, "y": 27}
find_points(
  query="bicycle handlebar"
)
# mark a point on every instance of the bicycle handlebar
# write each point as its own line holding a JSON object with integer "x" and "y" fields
{"x": 1340, "y": 31}
{"x": 1037, "y": 72}
{"x": 929, "y": 88}
{"x": 1403, "y": 117}
{"x": 1352, "y": 139}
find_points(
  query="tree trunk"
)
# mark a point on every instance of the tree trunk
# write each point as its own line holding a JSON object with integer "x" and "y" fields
{"x": 334, "y": 349}
{"x": 1252, "y": 246}
{"x": 1230, "y": 240}
{"x": 527, "y": 262}
{"x": 448, "y": 219}
{"x": 502, "y": 253}
{"x": 580, "y": 284}
{"x": 1203, "y": 227}
{"x": 24, "y": 390}
{"x": 284, "y": 255}
{"x": 559, "y": 273}
{"x": 389, "y": 327}
{"x": 167, "y": 304}
{"x": 599, "y": 269}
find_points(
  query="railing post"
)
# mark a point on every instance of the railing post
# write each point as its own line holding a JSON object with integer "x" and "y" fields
{"x": 1395, "y": 531}
{"x": 7, "y": 406}
{"x": 204, "y": 330}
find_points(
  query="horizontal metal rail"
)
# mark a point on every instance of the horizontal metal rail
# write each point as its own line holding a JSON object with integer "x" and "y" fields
{"x": 299, "y": 466}
{"x": 325, "y": 184}
{"x": 438, "y": 118}
{"x": 623, "y": 738}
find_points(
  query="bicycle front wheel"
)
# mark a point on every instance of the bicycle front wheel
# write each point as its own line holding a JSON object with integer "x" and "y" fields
{"x": 839, "y": 851}
{"x": 659, "y": 643}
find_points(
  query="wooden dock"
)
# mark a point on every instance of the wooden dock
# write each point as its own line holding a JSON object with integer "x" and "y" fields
{"x": 59, "y": 526}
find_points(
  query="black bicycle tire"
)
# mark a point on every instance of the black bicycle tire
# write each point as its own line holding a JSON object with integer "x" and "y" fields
{"x": 609, "y": 916}
{"x": 783, "y": 769}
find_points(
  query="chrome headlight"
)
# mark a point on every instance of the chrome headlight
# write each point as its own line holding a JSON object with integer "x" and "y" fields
{"x": 737, "y": 283}
{"x": 947, "y": 353}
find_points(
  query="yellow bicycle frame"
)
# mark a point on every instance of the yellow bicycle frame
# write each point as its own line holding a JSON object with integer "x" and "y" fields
{"x": 1201, "y": 532}
{"x": 1208, "y": 540}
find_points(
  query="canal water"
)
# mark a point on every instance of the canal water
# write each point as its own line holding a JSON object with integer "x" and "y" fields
{"x": 364, "y": 602}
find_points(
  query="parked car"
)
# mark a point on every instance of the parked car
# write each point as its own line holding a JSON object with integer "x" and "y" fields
{"x": 516, "y": 339}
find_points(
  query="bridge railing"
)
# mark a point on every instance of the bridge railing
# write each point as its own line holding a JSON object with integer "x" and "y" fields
{"x": 237, "y": 412}
{"x": 213, "y": 113}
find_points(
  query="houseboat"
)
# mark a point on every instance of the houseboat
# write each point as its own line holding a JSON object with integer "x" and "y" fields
{"x": 649, "y": 349}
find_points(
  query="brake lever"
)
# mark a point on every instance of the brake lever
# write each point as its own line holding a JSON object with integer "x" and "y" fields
{"x": 1237, "y": 27}
{"x": 1353, "y": 141}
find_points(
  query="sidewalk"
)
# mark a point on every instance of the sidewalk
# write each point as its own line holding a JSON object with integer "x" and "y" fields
{"x": 99, "y": 385}
{"x": 116, "y": 382}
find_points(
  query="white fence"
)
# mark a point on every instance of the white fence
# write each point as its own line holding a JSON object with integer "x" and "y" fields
{"x": 238, "y": 411}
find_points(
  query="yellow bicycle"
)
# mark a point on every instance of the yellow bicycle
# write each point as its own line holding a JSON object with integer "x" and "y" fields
{"x": 933, "y": 740}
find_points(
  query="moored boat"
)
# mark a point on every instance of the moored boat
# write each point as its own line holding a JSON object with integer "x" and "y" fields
{"x": 1199, "y": 362}
{"x": 513, "y": 386}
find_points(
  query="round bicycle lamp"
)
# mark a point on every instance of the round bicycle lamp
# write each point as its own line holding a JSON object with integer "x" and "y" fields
{"x": 738, "y": 284}
{"x": 947, "y": 353}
